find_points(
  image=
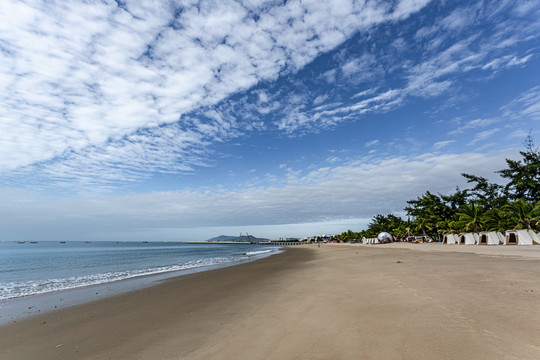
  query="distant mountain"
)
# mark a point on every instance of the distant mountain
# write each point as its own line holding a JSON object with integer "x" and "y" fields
{"x": 223, "y": 238}
{"x": 236, "y": 238}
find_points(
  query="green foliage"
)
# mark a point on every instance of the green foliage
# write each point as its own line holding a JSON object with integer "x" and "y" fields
{"x": 469, "y": 217}
{"x": 348, "y": 236}
{"x": 485, "y": 194}
{"x": 496, "y": 220}
{"x": 522, "y": 214}
{"x": 524, "y": 175}
{"x": 433, "y": 214}
{"x": 387, "y": 223}
{"x": 485, "y": 206}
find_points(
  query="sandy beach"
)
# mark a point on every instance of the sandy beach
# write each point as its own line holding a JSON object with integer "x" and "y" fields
{"x": 397, "y": 301}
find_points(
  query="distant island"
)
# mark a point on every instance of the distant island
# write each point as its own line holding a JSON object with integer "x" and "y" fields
{"x": 241, "y": 238}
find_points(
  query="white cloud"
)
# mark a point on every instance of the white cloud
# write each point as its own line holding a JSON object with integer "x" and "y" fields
{"x": 333, "y": 159}
{"x": 357, "y": 190}
{"x": 474, "y": 124}
{"x": 458, "y": 19}
{"x": 518, "y": 134}
{"x": 524, "y": 107}
{"x": 506, "y": 62}
{"x": 362, "y": 69}
{"x": 372, "y": 143}
{"x": 76, "y": 76}
{"x": 483, "y": 135}
{"x": 473, "y": 38}
{"x": 442, "y": 144}
{"x": 365, "y": 93}
{"x": 320, "y": 99}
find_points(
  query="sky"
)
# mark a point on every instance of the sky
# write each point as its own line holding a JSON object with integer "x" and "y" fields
{"x": 184, "y": 120}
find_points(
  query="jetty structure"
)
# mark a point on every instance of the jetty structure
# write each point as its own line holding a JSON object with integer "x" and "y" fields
{"x": 220, "y": 242}
{"x": 282, "y": 242}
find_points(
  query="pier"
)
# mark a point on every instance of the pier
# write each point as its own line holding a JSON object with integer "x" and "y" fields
{"x": 221, "y": 242}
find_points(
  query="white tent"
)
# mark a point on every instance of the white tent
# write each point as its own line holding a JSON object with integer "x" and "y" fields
{"x": 490, "y": 238}
{"x": 371, "y": 241}
{"x": 521, "y": 237}
{"x": 468, "y": 238}
{"x": 535, "y": 237}
{"x": 450, "y": 239}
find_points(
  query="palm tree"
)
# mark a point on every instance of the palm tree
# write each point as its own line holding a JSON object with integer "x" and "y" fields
{"x": 522, "y": 214}
{"x": 470, "y": 217}
{"x": 536, "y": 210}
{"x": 496, "y": 220}
{"x": 408, "y": 231}
{"x": 423, "y": 224}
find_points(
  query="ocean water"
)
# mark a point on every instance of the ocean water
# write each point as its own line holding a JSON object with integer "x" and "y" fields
{"x": 47, "y": 273}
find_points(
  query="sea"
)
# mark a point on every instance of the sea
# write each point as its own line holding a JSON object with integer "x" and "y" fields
{"x": 36, "y": 277}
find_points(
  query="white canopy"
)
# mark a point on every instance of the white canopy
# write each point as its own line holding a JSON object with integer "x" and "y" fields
{"x": 521, "y": 237}
{"x": 468, "y": 238}
{"x": 490, "y": 238}
{"x": 450, "y": 239}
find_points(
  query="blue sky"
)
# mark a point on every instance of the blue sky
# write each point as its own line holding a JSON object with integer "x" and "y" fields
{"x": 184, "y": 120}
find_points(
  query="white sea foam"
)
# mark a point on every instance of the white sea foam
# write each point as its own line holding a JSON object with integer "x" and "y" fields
{"x": 11, "y": 290}
{"x": 251, "y": 253}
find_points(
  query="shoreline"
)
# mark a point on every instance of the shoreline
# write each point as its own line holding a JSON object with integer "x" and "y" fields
{"x": 338, "y": 301}
{"x": 20, "y": 308}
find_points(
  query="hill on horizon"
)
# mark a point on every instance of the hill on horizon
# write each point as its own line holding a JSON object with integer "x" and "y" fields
{"x": 236, "y": 238}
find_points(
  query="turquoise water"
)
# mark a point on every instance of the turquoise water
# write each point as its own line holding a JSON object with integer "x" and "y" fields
{"x": 30, "y": 269}
{"x": 33, "y": 274}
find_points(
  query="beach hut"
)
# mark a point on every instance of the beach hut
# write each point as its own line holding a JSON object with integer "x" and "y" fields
{"x": 535, "y": 237}
{"x": 450, "y": 239}
{"x": 521, "y": 237}
{"x": 468, "y": 238}
{"x": 490, "y": 238}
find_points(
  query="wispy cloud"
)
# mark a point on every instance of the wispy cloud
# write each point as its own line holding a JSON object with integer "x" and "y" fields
{"x": 479, "y": 38}
{"x": 372, "y": 143}
{"x": 483, "y": 135}
{"x": 442, "y": 144}
{"x": 525, "y": 106}
{"x": 358, "y": 189}
{"x": 474, "y": 124}
{"x": 80, "y": 80}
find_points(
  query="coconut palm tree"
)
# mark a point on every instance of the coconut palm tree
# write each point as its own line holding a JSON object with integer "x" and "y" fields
{"x": 424, "y": 223}
{"x": 470, "y": 217}
{"x": 522, "y": 214}
{"x": 536, "y": 218}
{"x": 496, "y": 220}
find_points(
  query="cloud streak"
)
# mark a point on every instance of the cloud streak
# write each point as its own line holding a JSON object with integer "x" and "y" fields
{"x": 85, "y": 78}
{"x": 357, "y": 189}
{"x": 478, "y": 41}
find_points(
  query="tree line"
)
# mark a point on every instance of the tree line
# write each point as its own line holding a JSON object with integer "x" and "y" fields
{"x": 484, "y": 206}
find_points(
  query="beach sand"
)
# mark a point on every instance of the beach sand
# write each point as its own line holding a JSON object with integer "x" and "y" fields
{"x": 395, "y": 301}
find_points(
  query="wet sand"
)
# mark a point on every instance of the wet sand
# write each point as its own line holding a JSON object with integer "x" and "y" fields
{"x": 398, "y": 301}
